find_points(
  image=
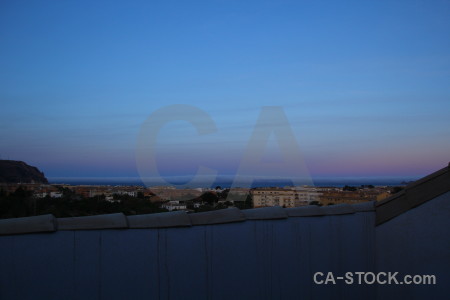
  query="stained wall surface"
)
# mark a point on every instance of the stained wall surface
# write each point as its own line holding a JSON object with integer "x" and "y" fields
{"x": 254, "y": 259}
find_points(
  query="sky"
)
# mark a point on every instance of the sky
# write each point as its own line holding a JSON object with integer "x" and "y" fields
{"x": 364, "y": 85}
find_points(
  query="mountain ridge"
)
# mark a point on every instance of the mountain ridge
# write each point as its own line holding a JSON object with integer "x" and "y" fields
{"x": 14, "y": 171}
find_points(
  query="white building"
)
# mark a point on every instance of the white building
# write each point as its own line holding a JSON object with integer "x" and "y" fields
{"x": 174, "y": 205}
{"x": 292, "y": 197}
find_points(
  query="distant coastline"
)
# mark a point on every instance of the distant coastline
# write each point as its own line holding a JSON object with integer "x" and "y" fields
{"x": 226, "y": 182}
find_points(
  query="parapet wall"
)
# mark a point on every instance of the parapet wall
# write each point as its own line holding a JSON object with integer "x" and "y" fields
{"x": 269, "y": 253}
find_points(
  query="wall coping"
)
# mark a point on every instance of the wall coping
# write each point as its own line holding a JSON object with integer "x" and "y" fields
{"x": 160, "y": 220}
{"x": 43, "y": 223}
{"x": 109, "y": 221}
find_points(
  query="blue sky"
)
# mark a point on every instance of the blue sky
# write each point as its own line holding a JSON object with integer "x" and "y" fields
{"x": 364, "y": 84}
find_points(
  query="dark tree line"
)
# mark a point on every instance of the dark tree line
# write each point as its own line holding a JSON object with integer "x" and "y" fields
{"x": 216, "y": 201}
{"x": 21, "y": 203}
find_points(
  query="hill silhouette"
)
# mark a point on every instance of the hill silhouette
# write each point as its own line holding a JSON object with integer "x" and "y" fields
{"x": 12, "y": 171}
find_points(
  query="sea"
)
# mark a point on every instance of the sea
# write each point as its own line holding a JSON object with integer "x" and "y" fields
{"x": 226, "y": 182}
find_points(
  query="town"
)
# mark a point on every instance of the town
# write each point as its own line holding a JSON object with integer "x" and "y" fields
{"x": 77, "y": 200}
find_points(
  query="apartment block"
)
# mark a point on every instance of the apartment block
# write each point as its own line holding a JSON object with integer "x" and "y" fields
{"x": 284, "y": 197}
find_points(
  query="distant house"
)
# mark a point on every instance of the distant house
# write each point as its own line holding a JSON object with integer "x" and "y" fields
{"x": 132, "y": 193}
{"x": 42, "y": 191}
{"x": 56, "y": 194}
{"x": 174, "y": 205}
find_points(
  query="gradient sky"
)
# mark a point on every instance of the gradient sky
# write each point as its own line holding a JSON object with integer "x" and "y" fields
{"x": 364, "y": 84}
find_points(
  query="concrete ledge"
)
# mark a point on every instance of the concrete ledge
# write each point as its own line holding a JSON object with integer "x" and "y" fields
{"x": 93, "y": 222}
{"x": 222, "y": 216}
{"x": 364, "y": 206}
{"x": 265, "y": 213}
{"x": 160, "y": 220}
{"x": 305, "y": 211}
{"x": 390, "y": 198}
{"x": 44, "y": 223}
{"x": 413, "y": 195}
{"x": 338, "y": 209}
